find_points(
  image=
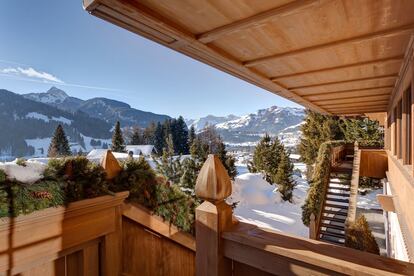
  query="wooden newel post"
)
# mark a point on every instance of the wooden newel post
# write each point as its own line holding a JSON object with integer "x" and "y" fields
{"x": 312, "y": 227}
{"x": 213, "y": 217}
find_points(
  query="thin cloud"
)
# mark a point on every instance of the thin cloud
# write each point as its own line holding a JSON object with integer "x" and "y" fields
{"x": 31, "y": 73}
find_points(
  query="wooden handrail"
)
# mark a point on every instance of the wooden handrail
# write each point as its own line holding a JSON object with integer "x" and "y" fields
{"x": 354, "y": 187}
{"x": 141, "y": 215}
{"x": 283, "y": 254}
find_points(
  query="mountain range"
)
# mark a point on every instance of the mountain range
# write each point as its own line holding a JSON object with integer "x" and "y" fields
{"x": 246, "y": 130}
{"x": 105, "y": 109}
{"x": 29, "y": 120}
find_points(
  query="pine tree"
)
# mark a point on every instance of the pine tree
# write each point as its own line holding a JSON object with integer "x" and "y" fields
{"x": 149, "y": 134}
{"x": 59, "y": 146}
{"x": 118, "y": 144}
{"x": 136, "y": 137}
{"x": 283, "y": 176}
{"x": 317, "y": 129}
{"x": 191, "y": 135}
{"x": 266, "y": 157}
{"x": 227, "y": 160}
{"x": 180, "y": 136}
{"x": 159, "y": 139}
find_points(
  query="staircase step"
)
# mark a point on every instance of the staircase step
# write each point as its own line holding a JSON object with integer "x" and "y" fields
{"x": 335, "y": 213}
{"x": 337, "y": 194}
{"x": 340, "y": 188}
{"x": 333, "y": 226}
{"x": 332, "y": 240}
{"x": 346, "y": 176}
{"x": 332, "y": 234}
{"x": 336, "y": 206}
{"x": 341, "y": 220}
{"x": 334, "y": 199}
{"x": 334, "y": 181}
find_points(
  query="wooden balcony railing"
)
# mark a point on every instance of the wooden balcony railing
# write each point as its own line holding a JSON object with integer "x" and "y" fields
{"x": 228, "y": 247}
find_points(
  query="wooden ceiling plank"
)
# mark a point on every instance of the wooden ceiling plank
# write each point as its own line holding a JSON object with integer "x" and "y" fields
{"x": 390, "y": 32}
{"x": 346, "y": 81}
{"x": 346, "y": 66}
{"x": 360, "y": 104}
{"x": 344, "y": 91}
{"x": 255, "y": 20}
{"x": 352, "y": 99}
{"x": 359, "y": 109}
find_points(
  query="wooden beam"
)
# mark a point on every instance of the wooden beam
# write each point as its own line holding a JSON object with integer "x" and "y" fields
{"x": 412, "y": 118}
{"x": 345, "y": 81}
{"x": 359, "y": 109}
{"x": 352, "y": 100}
{"x": 366, "y": 37}
{"x": 342, "y": 91}
{"x": 398, "y": 117}
{"x": 358, "y": 103}
{"x": 348, "y": 95}
{"x": 346, "y": 66}
{"x": 392, "y": 134}
{"x": 404, "y": 119}
{"x": 256, "y": 20}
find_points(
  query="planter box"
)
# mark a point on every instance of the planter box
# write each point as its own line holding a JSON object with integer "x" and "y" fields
{"x": 83, "y": 238}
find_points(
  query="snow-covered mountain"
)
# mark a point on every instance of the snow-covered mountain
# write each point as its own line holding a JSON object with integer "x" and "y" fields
{"x": 200, "y": 123}
{"x": 101, "y": 108}
{"x": 248, "y": 129}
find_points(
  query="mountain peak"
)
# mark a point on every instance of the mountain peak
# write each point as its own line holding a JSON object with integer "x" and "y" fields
{"x": 53, "y": 96}
{"x": 57, "y": 92}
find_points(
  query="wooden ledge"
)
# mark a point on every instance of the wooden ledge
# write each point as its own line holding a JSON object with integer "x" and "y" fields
{"x": 73, "y": 209}
{"x": 143, "y": 216}
{"x": 245, "y": 241}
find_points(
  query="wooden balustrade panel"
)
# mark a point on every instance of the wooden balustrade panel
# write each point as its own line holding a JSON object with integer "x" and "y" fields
{"x": 374, "y": 163}
{"x": 63, "y": 241}
{"x": 146, "y": 252}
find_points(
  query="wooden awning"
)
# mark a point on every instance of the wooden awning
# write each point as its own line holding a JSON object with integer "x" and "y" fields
{"x": 334, "y": 56}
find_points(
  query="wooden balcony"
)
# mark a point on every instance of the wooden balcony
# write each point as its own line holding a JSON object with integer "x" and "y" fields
{"x": 106, "y": 236}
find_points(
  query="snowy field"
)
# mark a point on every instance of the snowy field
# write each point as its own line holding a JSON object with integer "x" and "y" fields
{"x": 260, "y": 203}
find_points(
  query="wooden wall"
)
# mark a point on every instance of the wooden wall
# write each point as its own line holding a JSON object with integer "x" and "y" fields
{"x": 153, "y": 247}
{"x": 374, "y": 163}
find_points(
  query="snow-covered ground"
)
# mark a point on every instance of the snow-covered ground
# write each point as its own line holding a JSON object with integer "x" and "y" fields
{"x": 369, "y": 200}
{"x": 260, "y": 203}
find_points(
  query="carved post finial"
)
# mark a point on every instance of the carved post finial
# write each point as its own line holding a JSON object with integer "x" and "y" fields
{"x": 213, "y": 182}
{"x": 110, "y": 165}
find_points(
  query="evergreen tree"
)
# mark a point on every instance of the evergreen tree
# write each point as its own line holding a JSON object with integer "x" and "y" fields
{"x": 283, "y": 176}
{"x": 363, "y": 130}
{"x": 266, "y": 157}
{"x": 59, "y": 146}
{"x": 318, "y": 128}
{"x": 227, "y": 160}
{"x": 149, "y": 134}
{"x": 118, "y": 144}
{"x": 169, "y": 167}
{"x": 180, "y": 136}
{"x": 136, "y": 137}
{"x": 191, "y": 136}
{"x": 159, "y": 139}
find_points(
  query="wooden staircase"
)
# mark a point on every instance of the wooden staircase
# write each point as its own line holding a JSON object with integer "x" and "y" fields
{"x": 335, "y": 208}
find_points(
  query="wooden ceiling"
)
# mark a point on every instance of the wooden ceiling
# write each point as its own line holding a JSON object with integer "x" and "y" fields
{"x": 333, "y": 56}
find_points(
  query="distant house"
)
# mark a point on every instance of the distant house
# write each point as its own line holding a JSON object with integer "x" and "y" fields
{"x": 145, "y": 150}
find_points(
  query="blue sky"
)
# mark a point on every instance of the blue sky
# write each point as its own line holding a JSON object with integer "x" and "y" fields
{"x": 54, "y": 42}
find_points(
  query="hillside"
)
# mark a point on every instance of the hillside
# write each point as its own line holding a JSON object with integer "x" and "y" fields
{"x": 28, "y": 122}
{"x": 101, "y": 108}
